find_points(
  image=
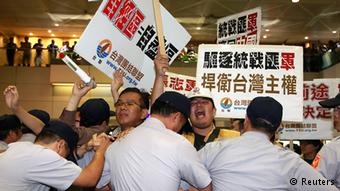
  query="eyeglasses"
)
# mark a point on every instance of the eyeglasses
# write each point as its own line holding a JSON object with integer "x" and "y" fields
{"x": 126, "y": 104}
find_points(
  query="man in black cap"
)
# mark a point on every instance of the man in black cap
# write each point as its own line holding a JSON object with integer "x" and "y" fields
{"x": 27, "y": 133}
{"x": 94, "y": 113}
{"x": 153, "y": 156}
{"x": 10, "y": 130}
{"x": 36, "y": 166}
{"x": 253, "y": 159}
{"x": 327, "y": 160}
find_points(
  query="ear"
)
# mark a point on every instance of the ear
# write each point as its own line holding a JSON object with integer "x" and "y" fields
{"x": 145, "y": 113}
{"x": 214, "y": 112}
{"x": 60, "y": 145}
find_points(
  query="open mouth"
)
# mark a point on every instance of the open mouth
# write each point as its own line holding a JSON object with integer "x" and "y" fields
{"x": 200, "y": 114}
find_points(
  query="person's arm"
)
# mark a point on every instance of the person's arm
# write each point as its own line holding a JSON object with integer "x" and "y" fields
{"x": 116, "y": 83}
{"x": 79, "y": 90}
{"x": 90, "y": 175}
{"x": 12, "y": 101}
{"x": 326, "y": 162}
{"x": 161, "y": 66}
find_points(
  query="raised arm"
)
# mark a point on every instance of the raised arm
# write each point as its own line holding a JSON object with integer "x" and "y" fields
{"x": 79, "y": 90}
{"x": 161, "y": 67}
{"x": 12, "y": 101}
{"x": 116, "y": 83}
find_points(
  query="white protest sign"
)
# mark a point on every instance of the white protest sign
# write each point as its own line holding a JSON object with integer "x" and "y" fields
{"x": 317, "y": 122}
{"x": 240, "y": 28}
{"x": 180, "y": 83}
{"x": 235, "y": 74}
{"x": 122, "y": 36}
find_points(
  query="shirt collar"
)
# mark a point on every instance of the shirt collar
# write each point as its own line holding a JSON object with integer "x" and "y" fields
{"x": 154, "y": 122}
{"x": 255, "y": 134}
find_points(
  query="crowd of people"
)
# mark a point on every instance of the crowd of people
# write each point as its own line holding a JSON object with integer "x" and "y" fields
{"x": 26, "y": 48}
{"x": 176, "y": 146}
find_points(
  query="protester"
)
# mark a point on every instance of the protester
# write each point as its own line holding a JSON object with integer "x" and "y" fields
{"x": 327, "y": 160}
{"x": 252, "y": 162}
{"x": 309, "y": 149}
{"x": 202, "y": 113}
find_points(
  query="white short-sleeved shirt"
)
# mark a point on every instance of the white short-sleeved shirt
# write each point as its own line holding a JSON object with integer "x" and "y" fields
{"x": 152, "y": 158}
{"x": 252, "y": 162}
{"x": 30, "y": 167}
{"x": 327, "y": 161}
{"x": 3, "y": 146}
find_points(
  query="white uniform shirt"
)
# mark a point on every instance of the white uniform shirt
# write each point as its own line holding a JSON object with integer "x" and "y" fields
{"x": 3, "y": 146}
{"x": 152, "y": 158}
{"x": 30, "y": 167}
{"x": 252, "y": 162}
{"x": 327, "y": 162}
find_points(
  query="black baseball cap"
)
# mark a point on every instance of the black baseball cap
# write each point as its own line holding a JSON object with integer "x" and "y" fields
{"x": 9, "y": 122}
{"x": 40, "y": 114}
{"x": 331, "y": 103}
{"x": 94, "y": 112}
{"x": 176, "y": 100}
{"x": 265, "y": 112}
{"x": 64, "y": 131}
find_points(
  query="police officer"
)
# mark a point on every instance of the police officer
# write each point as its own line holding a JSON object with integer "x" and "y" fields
{"x": 252, "y": 162}
{"x": 327, "y": 160}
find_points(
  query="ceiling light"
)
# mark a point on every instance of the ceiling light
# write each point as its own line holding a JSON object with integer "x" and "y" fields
{"x": 49, "y": 31}
{"x": 52, "y": 35}
{"x": 74, "y": 35}
{"x": 306, "y": 38}
{"x": 295, "y": 1}
{"x": 31, "y": 34}
{"x": 264, "y": 36}
{"x": 333, "y": 32}
{"x": 267, "y": 30}
{"x": 57, "y": 25}
{"x": 198, "y": 28}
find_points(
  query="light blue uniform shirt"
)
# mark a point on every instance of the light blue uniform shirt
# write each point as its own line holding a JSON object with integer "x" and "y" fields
{"x": 329, "y": 161}
{"x": 252, "y": 162}
{"x": 152, "y": 158}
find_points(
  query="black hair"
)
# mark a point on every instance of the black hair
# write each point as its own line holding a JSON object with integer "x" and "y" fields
{"x": 264, "y": 125}
{"x": 144, "y": 96}
{"x": 162, "y": 108}
{"x": 9, "y": 123}
{"x": 48, "y": 137}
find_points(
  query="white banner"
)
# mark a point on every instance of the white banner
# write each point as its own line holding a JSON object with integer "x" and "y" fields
{"x": 122, "y": 36}
{"x": 241, "y": 28}
{"x": 317, "y": 122}
{"x": 236, "y": 74}
{"x": 180, "y": 83}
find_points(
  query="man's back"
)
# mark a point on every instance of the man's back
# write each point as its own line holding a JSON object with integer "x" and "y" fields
{"x": 252, "y": 162}
{"x": 152, "y": 157}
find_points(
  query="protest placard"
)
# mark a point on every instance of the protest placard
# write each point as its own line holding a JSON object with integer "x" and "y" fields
{"x": 240, "y": 28}
{"x": 317, "y": 121}
{"x": 122, "y": 36}
{"x": 235, "y": 74}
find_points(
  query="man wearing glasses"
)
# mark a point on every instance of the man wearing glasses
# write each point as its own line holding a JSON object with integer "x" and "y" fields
{"x": 327, "y": 160}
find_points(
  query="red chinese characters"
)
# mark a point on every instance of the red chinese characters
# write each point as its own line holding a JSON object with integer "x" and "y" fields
{"x": 124, "y": 15}
{"x": 287, "y": 61}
